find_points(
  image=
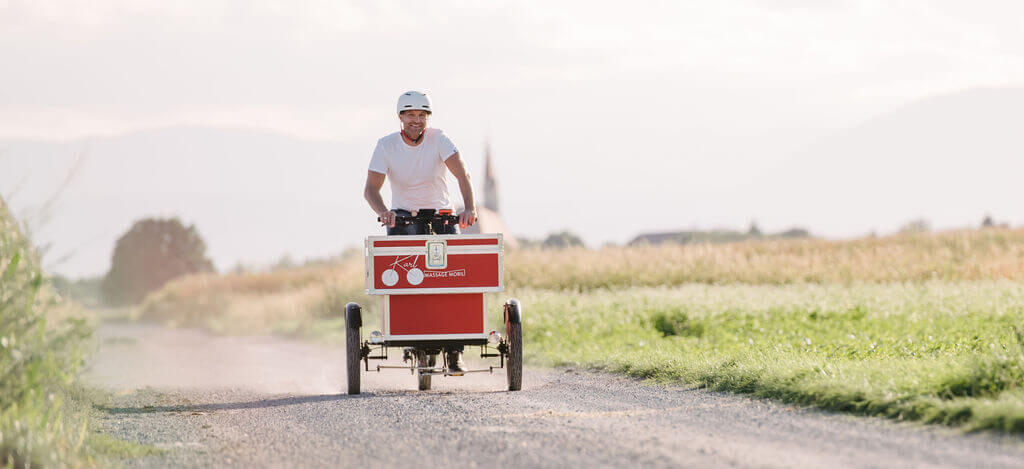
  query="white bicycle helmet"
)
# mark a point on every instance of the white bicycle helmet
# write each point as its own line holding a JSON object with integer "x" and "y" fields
{"x": 413, "y": 100}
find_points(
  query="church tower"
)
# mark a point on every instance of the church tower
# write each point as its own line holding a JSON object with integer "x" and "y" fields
{"x": 490, "y": 182}
{"x": 488, "y": 218}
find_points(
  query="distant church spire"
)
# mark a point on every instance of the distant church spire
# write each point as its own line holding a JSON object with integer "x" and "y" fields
{"x": 490, "y": 182}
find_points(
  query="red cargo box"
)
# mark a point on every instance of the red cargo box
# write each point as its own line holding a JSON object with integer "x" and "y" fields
{"x": 397, "y": 265}
{"x": 451, "y": 316}
{"x": 434, "y": 285}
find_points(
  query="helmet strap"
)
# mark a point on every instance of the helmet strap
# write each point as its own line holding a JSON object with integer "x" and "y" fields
{"x": 414, "y": 140}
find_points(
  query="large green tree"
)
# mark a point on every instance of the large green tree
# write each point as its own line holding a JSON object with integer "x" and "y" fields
{"x": 153, "y": 252}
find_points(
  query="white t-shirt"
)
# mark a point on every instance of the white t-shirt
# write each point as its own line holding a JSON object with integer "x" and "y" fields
{"x": 417, "y": 173}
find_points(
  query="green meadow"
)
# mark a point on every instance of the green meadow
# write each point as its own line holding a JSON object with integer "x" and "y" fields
{"x": 939, "y": 352}
{"x": 924, "y": 327}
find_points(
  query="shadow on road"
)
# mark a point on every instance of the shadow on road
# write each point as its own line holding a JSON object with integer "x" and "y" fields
{"x": 277, "y": 402}
{"x": 257, "y": 404}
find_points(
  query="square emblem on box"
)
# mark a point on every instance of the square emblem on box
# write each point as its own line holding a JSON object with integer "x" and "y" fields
{"x": 437, "y": 254}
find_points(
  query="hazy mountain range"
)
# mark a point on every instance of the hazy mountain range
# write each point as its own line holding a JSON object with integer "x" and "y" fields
{"x": 253, "y": 195}
{"x": 950, "y": 159}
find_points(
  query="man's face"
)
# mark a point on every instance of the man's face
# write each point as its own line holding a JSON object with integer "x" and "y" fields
{"x": 413, "y": 122}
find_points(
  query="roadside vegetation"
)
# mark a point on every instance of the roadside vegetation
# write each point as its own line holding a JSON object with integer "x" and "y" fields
{"x": 47, "y": 418}
{"x": 41, "y": 423}
{"x": 941, "y": 352}
{"x": 917, "y": 326}
{"x": 303, "y": 301}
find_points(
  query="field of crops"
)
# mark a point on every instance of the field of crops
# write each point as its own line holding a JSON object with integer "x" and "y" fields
{"x": 917, "y": 327}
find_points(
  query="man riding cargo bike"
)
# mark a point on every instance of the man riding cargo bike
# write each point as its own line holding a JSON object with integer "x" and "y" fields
{"x": 433, "y": 280}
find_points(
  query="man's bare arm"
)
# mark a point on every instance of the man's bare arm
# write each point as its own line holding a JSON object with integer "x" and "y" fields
{"x": 455, "y": 165}
{"x": 374, "y": 182}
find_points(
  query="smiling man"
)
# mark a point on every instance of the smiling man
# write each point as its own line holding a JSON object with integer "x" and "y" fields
{"x": 416, "y": 159}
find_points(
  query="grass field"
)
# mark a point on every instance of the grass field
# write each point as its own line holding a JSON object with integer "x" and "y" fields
{"x": 942, "y": 352}
{"x": 919, "y": 327}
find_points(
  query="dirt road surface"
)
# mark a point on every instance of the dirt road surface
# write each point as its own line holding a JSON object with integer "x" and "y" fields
{"x": 267, "y": 402}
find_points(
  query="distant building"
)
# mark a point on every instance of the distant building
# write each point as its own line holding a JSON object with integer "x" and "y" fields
{"x": 488, "y": 217}
{"x": 686, "y": 237}
{"x": 659, "y": 238}
{"x": 713, "y": 236}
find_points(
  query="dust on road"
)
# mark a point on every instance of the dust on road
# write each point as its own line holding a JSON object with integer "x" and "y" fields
{"x": 261, "y": 401}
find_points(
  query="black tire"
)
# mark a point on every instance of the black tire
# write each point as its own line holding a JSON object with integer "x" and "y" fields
{"x": 424, "y": 359}
{"x": 353, "y": 352}
{"x": 514, "y": 338}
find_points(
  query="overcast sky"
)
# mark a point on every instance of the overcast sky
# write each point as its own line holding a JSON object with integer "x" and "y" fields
{"x": 644, "y": 105}
{"x": 329, "y": 69}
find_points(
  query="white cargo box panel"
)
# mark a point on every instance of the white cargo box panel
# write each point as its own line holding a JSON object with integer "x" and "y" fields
{"x": 422, "y": 264}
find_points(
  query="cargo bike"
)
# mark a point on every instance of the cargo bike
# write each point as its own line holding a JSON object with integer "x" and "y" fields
{"x": 432, "y": 289}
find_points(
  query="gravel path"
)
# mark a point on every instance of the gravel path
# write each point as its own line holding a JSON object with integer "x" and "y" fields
{"x": 266, "y": 402}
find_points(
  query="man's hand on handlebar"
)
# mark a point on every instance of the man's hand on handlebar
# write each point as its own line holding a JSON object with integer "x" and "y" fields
{"x": 464, "y": 219}
{"x": 387, "y": 218}
{"x": 467, "y": 218}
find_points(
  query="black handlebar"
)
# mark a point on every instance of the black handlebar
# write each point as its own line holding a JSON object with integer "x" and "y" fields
{"x": 426, "y": 217}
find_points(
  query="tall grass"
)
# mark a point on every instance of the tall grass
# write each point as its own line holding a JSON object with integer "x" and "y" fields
{"x": 953, "y": 256}
{"x": 290, "y": 300}
{"x": 39, "y": 359}
{"x": 263, "y": 301}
